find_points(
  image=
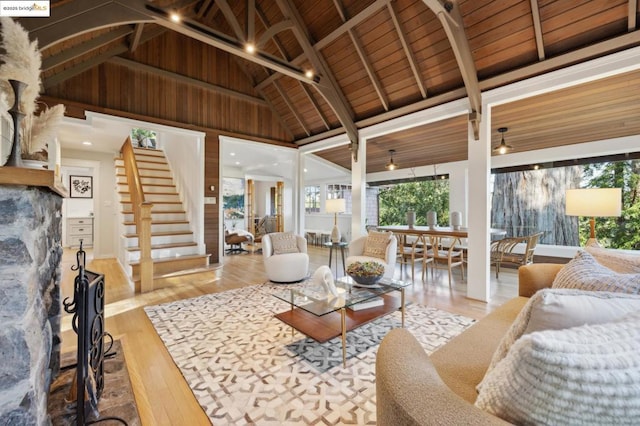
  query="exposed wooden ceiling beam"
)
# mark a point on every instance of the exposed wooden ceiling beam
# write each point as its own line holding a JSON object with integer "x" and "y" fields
{"x": 70, "y": 72}
{"x": 79, "y": 17}
{"x": 186, "y": 80}
{"x": 313, "y": 101}
{"x": 203, "y": 8}
{"x": 413, "y": 63}
{"x": 231, "y": 19}
{"x": 74, "y": 52}
{"x": 633, "y": 11}
{"x": 448, "y": 13}
{"x": 364, "y": 58}
{"x": 349, "y": 24}
{"x": 328, "y": 86}
{"x": 221, "y": 41}
{"x": 135, "y": 40}
{"x": 291, "y": 107}
{"x": 360, "y": 17}
{"x": 537, "y": 28}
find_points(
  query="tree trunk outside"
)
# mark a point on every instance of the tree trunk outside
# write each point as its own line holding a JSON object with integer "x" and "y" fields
{"x": 531, "y": 201}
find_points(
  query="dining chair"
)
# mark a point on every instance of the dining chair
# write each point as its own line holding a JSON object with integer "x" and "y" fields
{"x": 503, "y": 251}
{"x": 445, "y": 252}
{"x": 411, "y": 249}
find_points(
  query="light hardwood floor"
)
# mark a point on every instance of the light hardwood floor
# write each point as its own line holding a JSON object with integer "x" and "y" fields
{"x": 162, "y": 395}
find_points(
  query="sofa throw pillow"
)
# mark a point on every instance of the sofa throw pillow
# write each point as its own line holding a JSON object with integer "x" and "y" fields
{"x": 616, "y": 260}
{"x": 556, "y": 309}
{"x": 585, "y": 273}
{"x": 284, "y": 242}
{"x": 376, "y": 244}
{"x": 581, "y": 375}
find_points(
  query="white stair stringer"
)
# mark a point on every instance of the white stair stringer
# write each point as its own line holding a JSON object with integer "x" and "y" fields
{"x": 173, "y": 246}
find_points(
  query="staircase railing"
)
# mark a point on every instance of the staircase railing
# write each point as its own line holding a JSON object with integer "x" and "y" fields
{"x": 141, "y": 216}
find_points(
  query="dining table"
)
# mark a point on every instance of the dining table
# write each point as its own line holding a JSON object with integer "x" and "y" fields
{"x": 442, "y": 231}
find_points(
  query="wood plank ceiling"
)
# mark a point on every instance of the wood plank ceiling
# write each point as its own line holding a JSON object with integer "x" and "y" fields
{"x": 372, "y": 60}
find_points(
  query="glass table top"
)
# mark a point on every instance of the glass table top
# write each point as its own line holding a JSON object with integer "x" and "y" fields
{"x": 313, "y": 298}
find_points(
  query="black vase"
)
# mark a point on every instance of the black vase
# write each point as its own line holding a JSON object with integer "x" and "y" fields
{"x": 15, "y": 156}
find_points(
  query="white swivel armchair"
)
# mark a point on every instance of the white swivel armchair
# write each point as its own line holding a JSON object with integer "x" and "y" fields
{"x": 358, "y": 251}
{"x": 285, "y": 257}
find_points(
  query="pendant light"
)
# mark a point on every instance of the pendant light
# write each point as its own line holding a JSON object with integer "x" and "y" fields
{"x": 391, "y": 165}
{"x": 503, "y": 148}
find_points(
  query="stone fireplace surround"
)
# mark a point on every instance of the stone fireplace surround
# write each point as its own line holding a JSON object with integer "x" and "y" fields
{"x": 30, "y": 308}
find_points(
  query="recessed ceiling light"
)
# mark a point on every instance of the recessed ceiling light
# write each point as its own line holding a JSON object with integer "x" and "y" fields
{"x": 87, "y": 143}
{"x": 233, "y": 154}
{"x": 250, "y": 48}
{"x": 308, "y": 74}
{"x": 237, "y": 163}
{"x": 305, "y": 170}
{"x": 175, "y": 17}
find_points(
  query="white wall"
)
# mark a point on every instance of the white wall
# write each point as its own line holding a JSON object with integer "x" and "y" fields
{"x": 104, "y": 203}
{"x": 184, "y": 150}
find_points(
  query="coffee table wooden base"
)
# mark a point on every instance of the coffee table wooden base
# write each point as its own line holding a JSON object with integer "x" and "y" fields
{"x": 326, "y": 327}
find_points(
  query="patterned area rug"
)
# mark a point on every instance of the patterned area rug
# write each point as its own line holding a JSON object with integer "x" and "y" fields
{"x": 245, "y": 367}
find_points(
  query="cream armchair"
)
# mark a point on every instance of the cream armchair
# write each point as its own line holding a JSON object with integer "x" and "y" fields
{"x": 358, "y": 252}
{"x": 285, "y": 257}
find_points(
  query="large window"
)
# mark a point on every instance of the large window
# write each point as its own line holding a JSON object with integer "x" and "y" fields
{"x": 421, "y": 196}
{"x": 340, "y": 191}
{"x": 312, "y": 199}
{"x": 528, "y": 201}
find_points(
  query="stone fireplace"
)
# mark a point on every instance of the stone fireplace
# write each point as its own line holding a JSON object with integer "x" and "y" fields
{"x": 30, "y": 308}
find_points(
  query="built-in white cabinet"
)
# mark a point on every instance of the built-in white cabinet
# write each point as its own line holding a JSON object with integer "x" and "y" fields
{"x": 80, "y": 228}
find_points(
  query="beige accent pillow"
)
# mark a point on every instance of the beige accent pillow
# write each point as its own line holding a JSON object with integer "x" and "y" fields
{"x": 581, "y": 375}
{"x": 585, "y": 273}
{"x": 284, "y": 242}
{"x": 616, "y": 260}
{"x": 376, "y": 244}
{"x": 556, "y": 309}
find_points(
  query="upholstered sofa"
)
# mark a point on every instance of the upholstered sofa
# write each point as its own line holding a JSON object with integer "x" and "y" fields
{"x": 414, "y": 388}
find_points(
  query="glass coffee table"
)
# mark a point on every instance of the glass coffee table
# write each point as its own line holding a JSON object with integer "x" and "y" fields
{"x": 323, "y": 317}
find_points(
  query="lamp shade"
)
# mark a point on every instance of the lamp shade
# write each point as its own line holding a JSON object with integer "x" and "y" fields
{"x": 594, "y": 202}
{"x": 336, "y": 205}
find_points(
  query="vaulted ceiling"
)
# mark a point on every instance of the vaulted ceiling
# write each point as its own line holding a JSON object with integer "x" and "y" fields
{"x": 371, "y": 61}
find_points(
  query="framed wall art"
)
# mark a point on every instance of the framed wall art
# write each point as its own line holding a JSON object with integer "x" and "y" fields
{"x": 80, "y": 186}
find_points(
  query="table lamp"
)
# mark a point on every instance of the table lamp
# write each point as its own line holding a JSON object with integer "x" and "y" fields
{"x": 592, "y": 202}
{"x": 335, "y": 206}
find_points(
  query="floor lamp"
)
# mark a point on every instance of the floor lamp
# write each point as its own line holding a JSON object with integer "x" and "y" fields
{"x": 335, "y": 206}
{"x": 592, "y": 202}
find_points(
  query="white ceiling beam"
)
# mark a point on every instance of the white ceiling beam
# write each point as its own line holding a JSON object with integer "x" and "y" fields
{"x": 633, "y": 11}
{"x": 135, "y": 40}
{"x": 231, "y": 19}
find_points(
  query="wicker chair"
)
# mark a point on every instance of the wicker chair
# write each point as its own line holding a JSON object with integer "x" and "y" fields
{"x": 502, "y": 251}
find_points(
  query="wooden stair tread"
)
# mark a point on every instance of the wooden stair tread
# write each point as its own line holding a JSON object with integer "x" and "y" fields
{"x": 150, "y": 193}
{"x": 157, "y": 211}
{"x": 174, "y": 258}
{"x": 160, "y": 222}
{"x": 165, "y": 185}
{"x": 156, "y": 202}
{"x": 163, "y": 246}
{"x": 162, "y": 234}
{"x": 153, "y": 177}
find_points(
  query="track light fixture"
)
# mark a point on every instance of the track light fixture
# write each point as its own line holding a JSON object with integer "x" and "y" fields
{"x": 391, "y": 165}
{"x": 503, "y": 148}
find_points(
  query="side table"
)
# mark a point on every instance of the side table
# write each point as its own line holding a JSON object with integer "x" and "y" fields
{"x": 335, "y": 246}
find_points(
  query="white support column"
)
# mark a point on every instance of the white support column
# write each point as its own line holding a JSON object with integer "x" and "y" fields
{"x": 298, "y": 196}
{"x": 358, "y": 190}
{"x": 458, "y": 191}
{"x": 478, "y": 282}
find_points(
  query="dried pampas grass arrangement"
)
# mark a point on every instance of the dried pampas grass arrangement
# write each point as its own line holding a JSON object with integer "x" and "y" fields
{"x": 21, "y": 61}
{"x": 43, "y": 130}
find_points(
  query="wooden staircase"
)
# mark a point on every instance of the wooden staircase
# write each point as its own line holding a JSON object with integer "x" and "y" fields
{"x": 173, "y": 246}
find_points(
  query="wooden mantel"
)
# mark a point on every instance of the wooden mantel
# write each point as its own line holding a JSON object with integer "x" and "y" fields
{"x": 31, "y": 177}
